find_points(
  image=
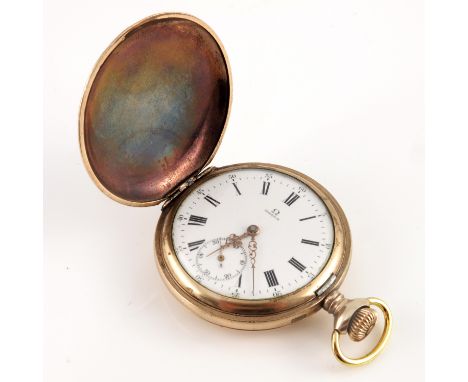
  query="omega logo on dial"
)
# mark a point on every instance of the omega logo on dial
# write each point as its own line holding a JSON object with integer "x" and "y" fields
{"x": 253, "y": 234}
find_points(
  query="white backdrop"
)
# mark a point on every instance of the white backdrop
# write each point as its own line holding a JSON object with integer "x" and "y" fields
{"x": 331, "y": 88}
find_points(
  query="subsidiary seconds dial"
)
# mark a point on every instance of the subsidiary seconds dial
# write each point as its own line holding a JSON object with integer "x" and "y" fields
{"x": 253, "y": 234}
{"x": 221, "y": 260}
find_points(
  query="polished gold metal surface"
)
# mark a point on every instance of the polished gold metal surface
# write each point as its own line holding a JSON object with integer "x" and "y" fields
{"x": 253, "y": 314}
{"x": 362, "y": 323}
{"x": 338, "y": 331}
{"x": 344, "y": 311}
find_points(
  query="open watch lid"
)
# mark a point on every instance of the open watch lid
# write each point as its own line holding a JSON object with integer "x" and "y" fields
{"x": 155, "y": 108}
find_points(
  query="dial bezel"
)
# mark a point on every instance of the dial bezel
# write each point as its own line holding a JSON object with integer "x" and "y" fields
{"x": 252, "y": 314}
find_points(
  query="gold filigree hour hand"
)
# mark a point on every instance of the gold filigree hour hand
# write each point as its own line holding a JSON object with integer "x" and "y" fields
{"x": 232, "y": 240}
{"x": 236, "y": 240}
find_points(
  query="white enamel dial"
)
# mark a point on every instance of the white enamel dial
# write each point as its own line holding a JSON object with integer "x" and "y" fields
{"x": 253, "y": 234}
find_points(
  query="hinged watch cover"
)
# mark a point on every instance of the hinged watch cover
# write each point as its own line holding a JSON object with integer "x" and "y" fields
{"x": 155, "y": 108}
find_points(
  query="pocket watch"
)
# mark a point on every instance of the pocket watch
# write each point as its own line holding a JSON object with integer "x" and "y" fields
{"x": 248, "y": 246}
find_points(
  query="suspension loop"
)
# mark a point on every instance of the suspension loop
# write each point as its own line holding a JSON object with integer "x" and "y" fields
{"x": 380, "y": 344}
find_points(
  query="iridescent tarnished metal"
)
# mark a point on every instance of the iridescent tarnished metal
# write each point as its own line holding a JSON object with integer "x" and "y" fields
{"x": 155, "y": 108}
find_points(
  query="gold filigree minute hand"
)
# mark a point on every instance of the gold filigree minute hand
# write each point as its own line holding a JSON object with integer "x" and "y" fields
{"x": 236, "y": 241}
{"x": 252, "y": 231}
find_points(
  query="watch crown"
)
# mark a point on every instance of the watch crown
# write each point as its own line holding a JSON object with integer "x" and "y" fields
{"x": 362, "y": 323}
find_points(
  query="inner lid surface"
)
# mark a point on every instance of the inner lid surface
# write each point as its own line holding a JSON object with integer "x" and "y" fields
{"x": 155, "y": 109}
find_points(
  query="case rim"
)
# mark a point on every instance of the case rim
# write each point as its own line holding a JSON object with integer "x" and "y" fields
{"x": 253, "y": 314}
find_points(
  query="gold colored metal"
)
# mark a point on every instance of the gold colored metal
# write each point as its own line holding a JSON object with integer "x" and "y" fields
{"x": 352, "y": 317}
{"x": 335, "y": 303}
{"x": 362, "y": 323}
{"x": 235, "y": 240}
{"x": 336, "y": 348}
{"x": 343, "y": 310}
{"x": 95, "y": 71}
{"x": 185, "y": 185}
{"x": 253, "y": 314}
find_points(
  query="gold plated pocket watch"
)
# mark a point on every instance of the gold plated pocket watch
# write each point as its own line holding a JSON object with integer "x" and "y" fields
{"x": 248, "y": 246}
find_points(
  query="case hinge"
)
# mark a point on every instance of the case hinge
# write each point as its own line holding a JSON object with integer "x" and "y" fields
{"x": 186, "y": 184}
